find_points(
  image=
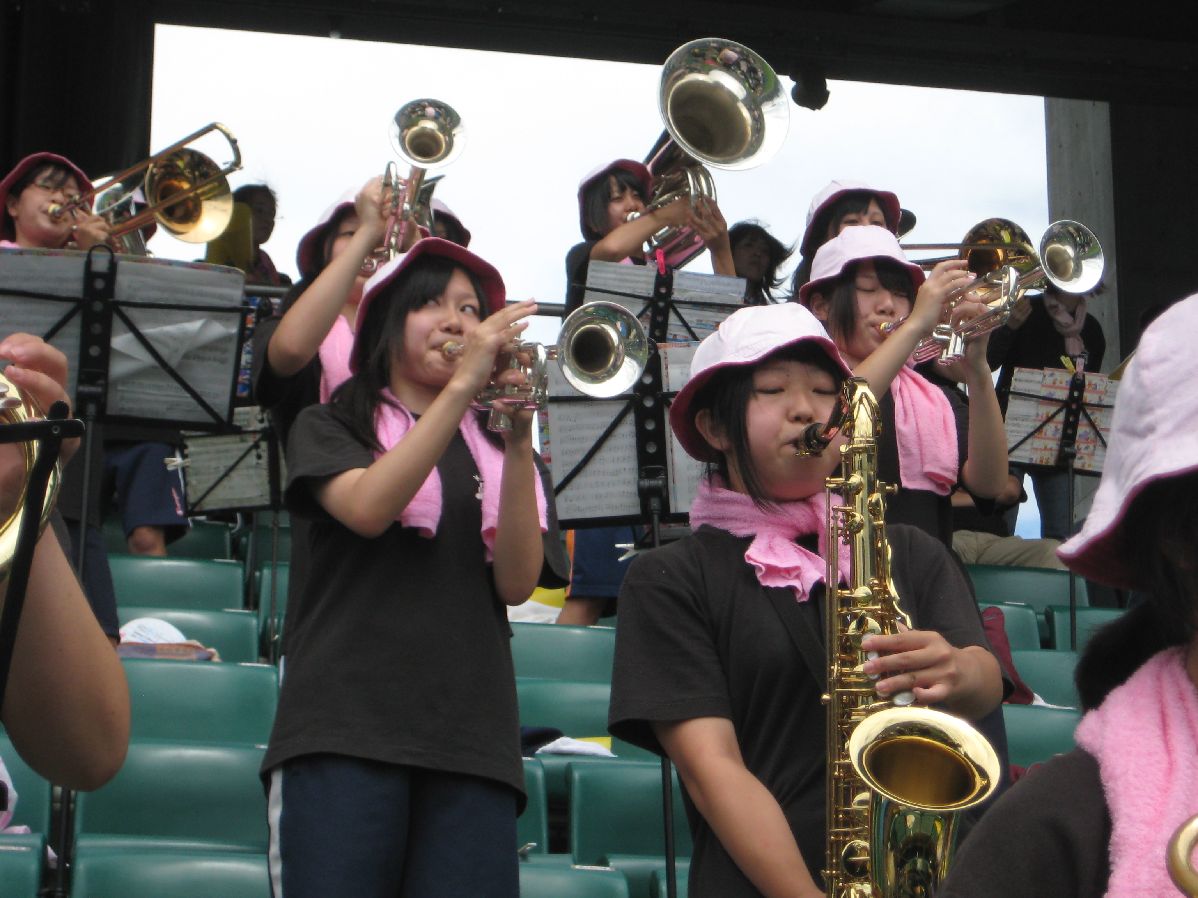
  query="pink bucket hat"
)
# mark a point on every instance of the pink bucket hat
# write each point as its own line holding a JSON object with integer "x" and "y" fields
{"x": 19, "y": 171}
{"x": 823, "y": 201}
{"x": 745, "y": 337}
{"x": 1151, "y": 439}
{"x": 311, "y": 245}
{"x": 488, "y": 277}
{"x": 439, "y": 208}
{"x": 636, "y": 169}
{"x": 856, "y": 244}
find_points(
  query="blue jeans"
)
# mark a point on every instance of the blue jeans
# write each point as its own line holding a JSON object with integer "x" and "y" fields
{"x": 1052, "y": 497}
{"x": 348, "y": 826}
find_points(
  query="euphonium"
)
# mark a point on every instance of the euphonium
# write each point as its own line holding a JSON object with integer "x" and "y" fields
{"x": 17, "y": 409}
{"x": 602, "y": 350}
{"x": 1181, "y": 846}
{"x": 897, "y": 775}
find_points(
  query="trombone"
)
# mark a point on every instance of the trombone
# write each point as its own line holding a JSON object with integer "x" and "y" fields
{"x": 722, "y": 105}
{"x": 427, "y": 134}
{"x": 185, "y": 192}
{"x": 1069, "y": 257}
{"x": 601, "y": 350}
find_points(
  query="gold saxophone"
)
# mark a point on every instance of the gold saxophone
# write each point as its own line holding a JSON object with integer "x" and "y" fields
{"x": 897, "y": 775}
{"x": 1181, "y": 846}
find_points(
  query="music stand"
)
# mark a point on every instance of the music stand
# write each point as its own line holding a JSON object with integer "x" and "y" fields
{"x": 617, "y": 461}
{"x": 1060, "y": 419}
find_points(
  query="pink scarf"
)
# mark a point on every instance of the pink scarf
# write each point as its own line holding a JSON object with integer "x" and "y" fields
{"x": 926, "y": 433}
{"x": 335, "y": 351}
{"x": 392, "y": 422}
{"x": 1068, "y": 324}
{"x": 1144, "y": 737}
{"x": 775, "y": 557}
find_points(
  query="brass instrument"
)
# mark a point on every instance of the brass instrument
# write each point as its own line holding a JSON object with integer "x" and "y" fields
{"x": 185, "y": 191}
{"x": 17, "y": 409}
{"x": 897, "y": 775}
{"x": 1181, "y": 848}
{"x": 427, "y": 134}
{"x": 722, "y": 105}
{"x": 1070, "y": 257}
{"x": 601, "y": 350}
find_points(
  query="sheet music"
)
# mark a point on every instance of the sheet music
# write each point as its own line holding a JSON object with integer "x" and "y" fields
{"x": 201, "y": 343}
{"x": 244, "y": 481}
{"x": 607, "y": 486}
{"x": 1025, "y": 413}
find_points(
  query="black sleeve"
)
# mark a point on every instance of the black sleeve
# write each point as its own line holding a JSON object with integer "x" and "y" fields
{"x": 932, "y": 588}
{"x": 1095, "y": 341}
{"x": 283, "y": 396}
{"x": 555, "y": 570}
{"x": 1047, "y": 836}
{"x": 1002, "y": 338}
{"x": 578, "y": 260}
{"x": 320, "y": 447}
{"x": 667, "y": 664}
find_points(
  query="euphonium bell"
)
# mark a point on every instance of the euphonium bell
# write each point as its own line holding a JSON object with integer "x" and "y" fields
{"x": 722, "y": 105}
{"x": 602, "y": 350}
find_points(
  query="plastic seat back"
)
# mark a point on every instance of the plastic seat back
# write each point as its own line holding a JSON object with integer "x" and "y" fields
{"x": 1019, "y": 622}
{"x": 33, "y": 791}
{"x": 1035, "y": 734}
{"x": 1038, "y": 587}
{"x": 1049, "y": 674}
{"x": 532, "y": 826}
{"x": 202, "y": 701}
{"x": 1088, "y": 620}
{"x": 578, "y": 709}
{"x": 557, "y": 652}
{"x": 544, "y": 881}
{"x": 201, "y": 584}
{"x": 131, "y": 873}
{"x": 616, "y": 808}
{"x": 232, "y": 633}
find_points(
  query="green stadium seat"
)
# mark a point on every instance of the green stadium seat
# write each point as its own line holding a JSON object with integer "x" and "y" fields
{"x": 33, "y": 792}
{"x": 232, "y": 633}
{"x": 556, "y": 767}
{"x": 178, "y": 795}
{"x": 130, "y": 873}
{"x": 555, "y": 652}
{"x": 21, "y": 864}
{"x": 1019, "y": 622}
{"x": 1088, "y": 620}
{"x": 1038, "y": 587}
{"x": 532, "y": 826}
{"x": 657, "y": 882}
{"x": 1036, "y": 734}
{"x": 559, "y": 881}
{"x": 1049, "y": 674}
{"x": 577, "y": 708}
{"x": 202, "y": 701}
{"x": 204, "y": 539}
{"x": 199, "y": 584}
{"x": 616, "y": 810}
{"x": 264, "y": 580}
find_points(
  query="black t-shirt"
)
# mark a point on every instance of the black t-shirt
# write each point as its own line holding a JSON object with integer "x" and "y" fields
{"x": 929, "y": 511}
{"x": 1036, "y": 344}
{"x": 1048, "y": 837}
{"x": 700, "y": 637}
{"x": 399, "y": 649}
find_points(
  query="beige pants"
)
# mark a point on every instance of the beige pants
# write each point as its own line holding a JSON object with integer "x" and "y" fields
{"x": 988, "y": 548}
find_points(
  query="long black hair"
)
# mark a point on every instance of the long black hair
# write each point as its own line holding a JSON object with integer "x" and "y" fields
{"x": 380, "y": 341}
{"x": 726, "y": 396}
{"x": 779, "y": 252}
{"x": 1161, "y": 529}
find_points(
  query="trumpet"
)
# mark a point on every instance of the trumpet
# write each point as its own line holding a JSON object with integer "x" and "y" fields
{"x": 601, "y": 350}
{"x": 1070, "y": 258}
{"x": 722, "y": 105}
{"x": 426, "y": 134}
{"x": 186, "y": 192}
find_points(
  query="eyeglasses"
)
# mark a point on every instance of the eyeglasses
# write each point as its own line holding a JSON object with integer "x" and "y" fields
{"x": 50, "y": 187}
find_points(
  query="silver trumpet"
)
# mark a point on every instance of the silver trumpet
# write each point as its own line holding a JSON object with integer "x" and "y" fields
{"x": 601, "y": 350}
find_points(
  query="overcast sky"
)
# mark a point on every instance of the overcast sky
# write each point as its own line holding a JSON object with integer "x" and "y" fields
{"x": 312, "y": 115}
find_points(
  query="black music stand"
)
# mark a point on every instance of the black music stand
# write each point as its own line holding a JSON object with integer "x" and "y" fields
{"x": 1042, "y": 428}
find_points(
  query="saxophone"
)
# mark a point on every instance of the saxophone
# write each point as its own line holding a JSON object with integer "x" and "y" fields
{"x": 897, "y": 775}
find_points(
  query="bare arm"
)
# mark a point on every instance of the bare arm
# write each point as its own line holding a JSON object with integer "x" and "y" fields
{"x": 629, "y": 238}
{"x": 368, "y": 500}
{"x": 66, "y": 705}
{"x": 744, "y": 815}
{"x": 297, "y": 339}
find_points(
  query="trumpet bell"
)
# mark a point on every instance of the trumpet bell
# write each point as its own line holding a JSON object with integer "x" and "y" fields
{"x": 205, "y": 206}
{"x": 427, "y": 133}
{"x": 602, "y": 349}
{"x": 723, "y": 104}
{"x": 1071, "y": 257}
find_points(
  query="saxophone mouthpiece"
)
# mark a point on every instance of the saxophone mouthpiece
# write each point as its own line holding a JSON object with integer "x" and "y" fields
{"x": 813, "y": 440}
